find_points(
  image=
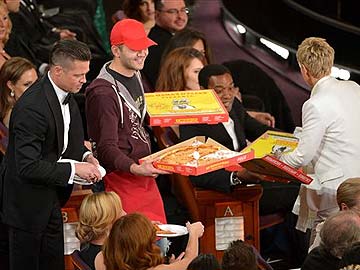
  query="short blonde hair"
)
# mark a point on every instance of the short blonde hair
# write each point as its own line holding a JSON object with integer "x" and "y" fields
{"x": 98, "y": 211}
{"x": 317, "y": 56}
{"x": 349, "y": 192}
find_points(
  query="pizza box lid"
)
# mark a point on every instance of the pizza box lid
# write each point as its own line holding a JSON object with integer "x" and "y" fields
{"x": 185, "y": 107}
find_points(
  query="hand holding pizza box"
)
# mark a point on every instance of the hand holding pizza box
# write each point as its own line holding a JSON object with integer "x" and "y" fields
{"x": 265, "y": 151}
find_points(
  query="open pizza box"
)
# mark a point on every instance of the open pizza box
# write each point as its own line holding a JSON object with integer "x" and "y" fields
{"x": 170, "y": 158}
{"x": 185, "y": 107}
{"x": 263, "y": 161}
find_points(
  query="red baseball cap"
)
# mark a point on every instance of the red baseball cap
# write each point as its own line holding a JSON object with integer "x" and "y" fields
{"x": 132, "y": 34}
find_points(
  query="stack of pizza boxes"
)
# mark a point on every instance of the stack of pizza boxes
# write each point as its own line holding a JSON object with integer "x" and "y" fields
{"x": 194, "y": 156}
{"x": 197, "y": 156}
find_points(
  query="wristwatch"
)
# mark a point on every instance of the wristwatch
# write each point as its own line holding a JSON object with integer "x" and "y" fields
{"x": 235, "y": 180}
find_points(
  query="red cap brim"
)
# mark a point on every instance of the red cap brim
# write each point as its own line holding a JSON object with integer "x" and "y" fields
{"x": 139, "y": 44}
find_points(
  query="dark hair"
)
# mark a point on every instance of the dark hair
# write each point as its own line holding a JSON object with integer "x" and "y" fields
{"x": 12, "y": 70}
{"x": 158, "y": 4}
{"x": 131, "y": 9}
{"x": 187, "y": 38}
{"x": 204, "y": 262}
{"x": 172, "y": 70}
{"x": 211, "y": 70}
{"x": 239, "y": 256}
{"x": 69, "y": 49}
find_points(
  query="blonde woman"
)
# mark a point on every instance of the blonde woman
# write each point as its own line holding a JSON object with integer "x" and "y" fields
{"x": 98, "y": 212}
{"x": 5, "y": 29}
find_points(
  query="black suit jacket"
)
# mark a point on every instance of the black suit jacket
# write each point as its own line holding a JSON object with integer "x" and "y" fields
{"x": 152, "y": 61}
{"x": 245, "y": 126}
{"x": 34, "y": 182}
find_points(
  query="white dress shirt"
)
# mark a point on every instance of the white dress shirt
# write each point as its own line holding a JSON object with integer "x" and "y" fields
{"x": 65, "y": 111}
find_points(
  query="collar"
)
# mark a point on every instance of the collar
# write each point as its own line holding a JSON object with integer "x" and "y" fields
{"x": 319, "y": 82}
{"x": 61, "y": 94}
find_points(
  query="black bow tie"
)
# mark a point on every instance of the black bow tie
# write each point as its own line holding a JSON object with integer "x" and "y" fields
{"x": 67, "y": 98}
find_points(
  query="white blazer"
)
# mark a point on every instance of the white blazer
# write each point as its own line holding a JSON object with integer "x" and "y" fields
{"x": 330, "y": 137}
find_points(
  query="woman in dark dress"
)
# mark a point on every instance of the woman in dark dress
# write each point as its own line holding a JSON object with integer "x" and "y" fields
{"x": 98, "y": 212}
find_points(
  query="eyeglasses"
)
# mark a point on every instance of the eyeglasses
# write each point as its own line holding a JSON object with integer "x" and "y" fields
{"x": 175, "y": 11}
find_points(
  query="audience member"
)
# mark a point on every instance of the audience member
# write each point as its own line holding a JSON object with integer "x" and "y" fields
{"x": 171, "y": 16}
{"x": 115, "y": 109}
{"x": 43, "y": 129}
{"x": 339, "y": 232}
{"x": 12, "y": 5}
{"x": 329, "y": 140}
{"x": 351, "y": 257}
{"x": 5, "y": 29}
{"x": 98, "y": 212}
{"x": 131, "y": 245}
{"x": 142, "y": 11}
{"x": 180, "y": 70}
{"x": 189, "y": 38}
{"x": 348, "y": 198}
{"x": 239, "y": 256}
{"x": 204, "y": 262}
{"x": 233, "y": 135}
{"x": 16, "y": 75}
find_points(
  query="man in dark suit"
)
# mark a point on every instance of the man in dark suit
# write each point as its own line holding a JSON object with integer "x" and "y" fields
{"x": 171, "y": 16}
{"x": 45, "y": 127}
{"x": 233, "y": 135}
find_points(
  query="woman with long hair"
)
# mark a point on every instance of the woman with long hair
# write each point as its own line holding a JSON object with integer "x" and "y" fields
{"x": 179, "y": 71}
{"x": 16, "y": 75}
{"x": 131, "y": 246}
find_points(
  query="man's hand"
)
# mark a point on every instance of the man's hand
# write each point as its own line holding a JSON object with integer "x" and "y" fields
{"x": 146, "y": 169}
{"x": 264, "y": 118}
{"x": 249, "y": 177}
{"x": 87, "y": 171}
{"x": 91, "y": 159}
{"x": 66, "y": 34}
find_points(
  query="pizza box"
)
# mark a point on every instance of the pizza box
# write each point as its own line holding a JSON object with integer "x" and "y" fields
{"x": 264, "y": 162}
{"x": 185, "y": 107}
{"x": 230, "y": 160}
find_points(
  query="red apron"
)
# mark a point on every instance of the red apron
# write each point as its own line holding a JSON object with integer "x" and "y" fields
{"x": 137, "y": 193}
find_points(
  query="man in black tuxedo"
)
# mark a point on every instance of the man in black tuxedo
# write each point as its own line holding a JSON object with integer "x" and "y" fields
{"x": 45, "y": 127}
{"x": 233, "y": 135}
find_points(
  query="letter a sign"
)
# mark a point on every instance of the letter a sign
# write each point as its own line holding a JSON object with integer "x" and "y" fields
{"x": 228, "y": 212}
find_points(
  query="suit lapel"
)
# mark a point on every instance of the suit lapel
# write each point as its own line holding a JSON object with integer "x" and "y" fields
{"x": 56, "y": 111}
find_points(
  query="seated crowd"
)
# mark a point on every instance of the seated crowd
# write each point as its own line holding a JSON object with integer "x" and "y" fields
{"x": 45, "y": 60}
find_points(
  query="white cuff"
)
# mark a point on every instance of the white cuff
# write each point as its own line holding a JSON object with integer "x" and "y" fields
{"x": 71, "y": 179}
{"x": 85, "y": 155}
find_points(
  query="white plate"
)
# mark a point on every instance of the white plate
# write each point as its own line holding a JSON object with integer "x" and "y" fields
{"x": 177, "y": 229}
{"x": 80, "y": 181}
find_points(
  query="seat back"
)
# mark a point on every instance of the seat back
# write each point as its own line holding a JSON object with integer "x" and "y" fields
{"x": 78, "y": 263}
{"x": 181, "y": 185}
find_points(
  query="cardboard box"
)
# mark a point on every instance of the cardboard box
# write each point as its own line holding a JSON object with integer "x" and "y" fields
{"x": 263, "y": 162}
{"x": 185, "y": 107}
{"x": 198, "y": 170}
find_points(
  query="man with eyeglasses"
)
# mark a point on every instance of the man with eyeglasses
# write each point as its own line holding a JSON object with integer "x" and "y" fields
{"x": 233, "y": 135}
{"x": 171, "y": 16}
